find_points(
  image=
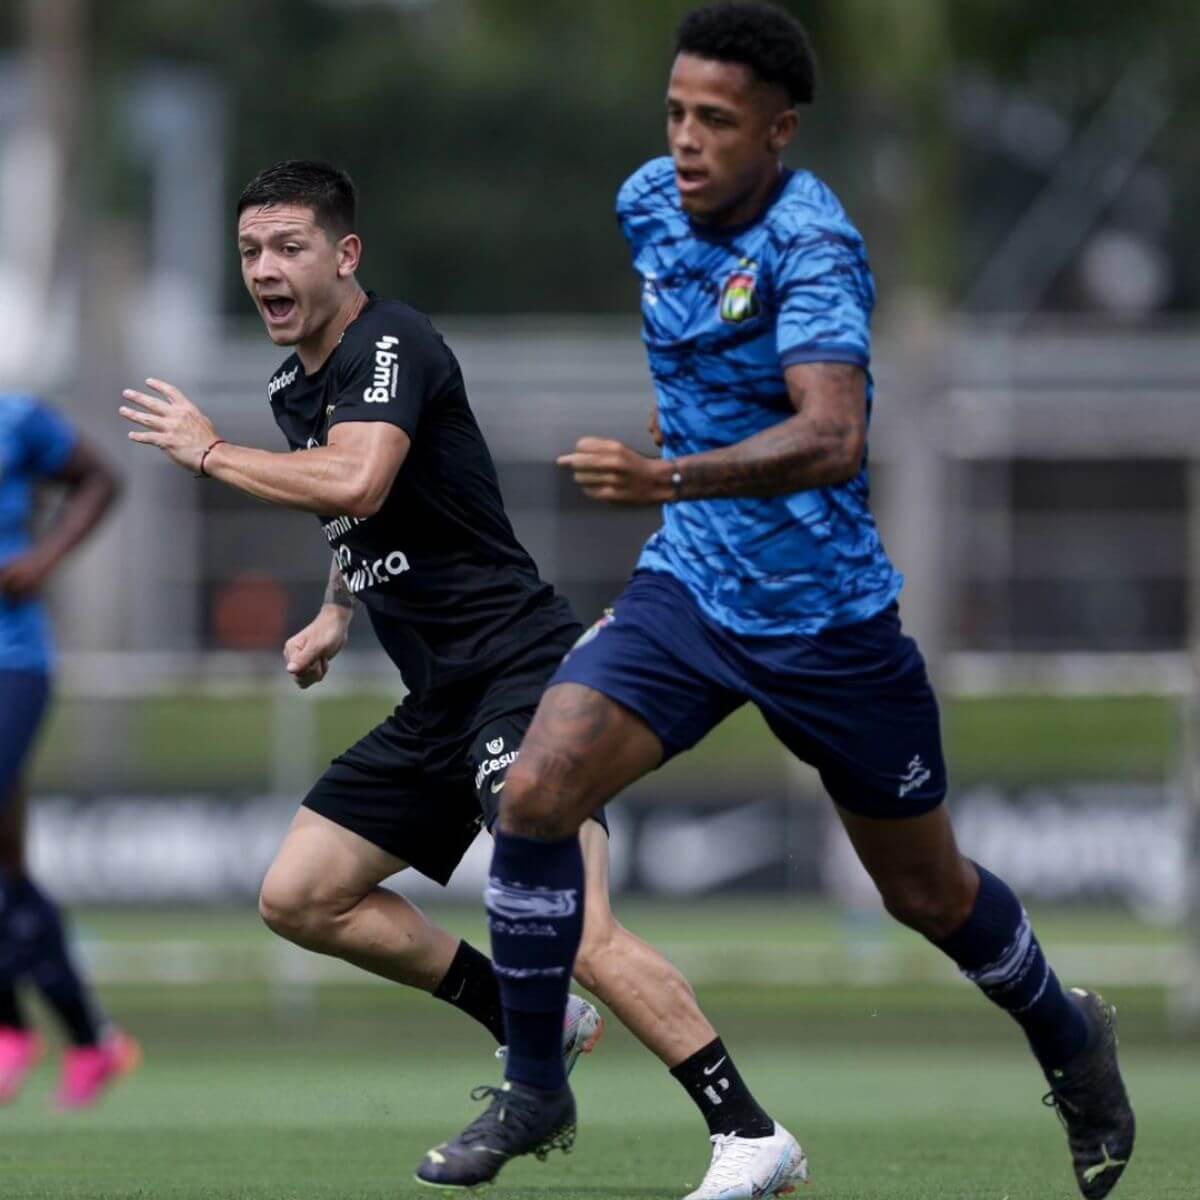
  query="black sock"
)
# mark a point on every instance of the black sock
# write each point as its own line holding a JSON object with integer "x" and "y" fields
{"x": 11, "y": 1016}
{"x": 470, "y": 985}
{"x": 720, "y": 1093}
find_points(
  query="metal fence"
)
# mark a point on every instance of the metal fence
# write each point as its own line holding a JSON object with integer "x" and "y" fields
{"x": 1038, "y": 488}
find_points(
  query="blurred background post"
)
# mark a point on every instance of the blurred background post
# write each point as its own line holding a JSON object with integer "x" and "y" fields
{"x": 1026, "y": 178}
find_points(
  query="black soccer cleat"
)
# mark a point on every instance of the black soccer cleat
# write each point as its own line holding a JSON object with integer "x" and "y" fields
{"x": 1089, "y": 1096}
{"x": 519, "y": 1120}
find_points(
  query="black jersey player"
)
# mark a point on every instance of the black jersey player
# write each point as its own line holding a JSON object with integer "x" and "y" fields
{"x": 386, "y": 452}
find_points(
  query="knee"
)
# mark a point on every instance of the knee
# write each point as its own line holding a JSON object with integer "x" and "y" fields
{"x": 933, "y": 906}
{"x": 296, "y": 910}
{"x": 535, "y": 805}
{"x": 281, "y": 907}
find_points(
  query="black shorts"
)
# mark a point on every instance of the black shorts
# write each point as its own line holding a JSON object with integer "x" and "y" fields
{"x": 424, "y": 782}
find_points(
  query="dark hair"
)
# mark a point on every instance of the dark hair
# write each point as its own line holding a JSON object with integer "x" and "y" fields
{"x": 326, "y": 189}
{"x": 771, "y": 42}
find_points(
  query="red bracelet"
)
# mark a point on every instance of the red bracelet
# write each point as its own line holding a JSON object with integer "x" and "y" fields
{"x": 202, "y": 473}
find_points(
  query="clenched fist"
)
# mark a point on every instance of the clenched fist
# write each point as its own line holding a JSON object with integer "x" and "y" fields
{"x": 307, "y": 654}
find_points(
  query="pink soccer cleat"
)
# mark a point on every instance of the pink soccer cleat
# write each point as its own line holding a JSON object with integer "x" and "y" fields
{"x": 88, "y": 1070}
{"x": 20, "y": 1050}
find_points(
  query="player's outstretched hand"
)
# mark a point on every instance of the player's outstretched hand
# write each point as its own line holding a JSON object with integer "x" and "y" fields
{"x": 608, "y": 470}
{"x": 171, "y": 422}
{"x": 307, "y": 654}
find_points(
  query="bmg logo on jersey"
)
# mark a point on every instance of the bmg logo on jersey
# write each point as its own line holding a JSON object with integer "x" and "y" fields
{"x": 739, "y": 297}
{"x": 387, "y": 372}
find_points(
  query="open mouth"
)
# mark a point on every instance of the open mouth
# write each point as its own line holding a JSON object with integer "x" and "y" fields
{"x": 690, "y": 179}
{"x": 278, "y": 308}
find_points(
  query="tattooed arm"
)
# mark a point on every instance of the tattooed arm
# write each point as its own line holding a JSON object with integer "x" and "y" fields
{"x": 819, "y": 446}
{"x": 336, "y": 591}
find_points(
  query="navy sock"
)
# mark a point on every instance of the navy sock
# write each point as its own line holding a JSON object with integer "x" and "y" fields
{"x": 997, "y": 951}
{"x": 535, "y": 913}
{"x": 11, "y": 1016}
{"x": 34, "y": 931}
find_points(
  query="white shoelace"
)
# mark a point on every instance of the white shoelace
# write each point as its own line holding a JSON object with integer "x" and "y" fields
{"x": 731, "y": 1154}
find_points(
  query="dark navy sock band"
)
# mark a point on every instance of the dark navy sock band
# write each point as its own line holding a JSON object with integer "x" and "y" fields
{"x": 535, "y": 913}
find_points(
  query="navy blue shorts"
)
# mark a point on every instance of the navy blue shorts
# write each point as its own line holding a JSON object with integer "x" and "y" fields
{"x": 854, "y": 702}
{"x": 23, "y": 699}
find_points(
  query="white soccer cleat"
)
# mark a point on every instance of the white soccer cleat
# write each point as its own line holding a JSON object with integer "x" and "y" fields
{"x": 753, "y": 1168}
{"x": 583, "y": 1027}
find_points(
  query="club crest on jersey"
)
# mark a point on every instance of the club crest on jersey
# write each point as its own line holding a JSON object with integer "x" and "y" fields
{"x": 739, "y": 297}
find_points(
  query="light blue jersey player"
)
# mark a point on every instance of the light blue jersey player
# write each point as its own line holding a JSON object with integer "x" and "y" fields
{"x": 38, "y": 446}
{"x": 725, "y": 313}
{"x": 767, "y": 584}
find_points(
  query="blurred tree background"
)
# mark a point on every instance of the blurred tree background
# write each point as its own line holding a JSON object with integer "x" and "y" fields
{"x": 489, "y": 137}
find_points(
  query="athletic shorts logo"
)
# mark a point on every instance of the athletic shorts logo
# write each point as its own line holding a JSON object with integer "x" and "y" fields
{"x": 495, "y": 745}
{"x": 490, "y": 766}
{"x": 914, "y": 776}
{"x": 515, "y": 902}
{"x": 739, "y": 297}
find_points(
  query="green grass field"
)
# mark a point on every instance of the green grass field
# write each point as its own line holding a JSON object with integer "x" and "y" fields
{"x": 192, "y": 741}
{"x": 905, "y": 1092}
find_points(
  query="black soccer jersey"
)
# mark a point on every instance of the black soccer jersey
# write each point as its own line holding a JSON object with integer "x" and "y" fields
{"x": 450, "y": 591}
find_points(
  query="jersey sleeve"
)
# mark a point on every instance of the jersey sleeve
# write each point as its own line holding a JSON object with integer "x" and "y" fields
{"x": 47, "y": 440}
{"x": 643, "y": 203}
{"x": 826, "y": 295}
{"x": 390, "y": 371}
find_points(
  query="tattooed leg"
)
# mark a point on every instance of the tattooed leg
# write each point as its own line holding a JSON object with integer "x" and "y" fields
{"x": 581, "y": 750}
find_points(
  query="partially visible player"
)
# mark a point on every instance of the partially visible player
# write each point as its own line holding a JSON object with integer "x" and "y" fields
{"x": 386, "y": 451}
{"x": 767, "y": 584}
{"x": 39, "y": 446}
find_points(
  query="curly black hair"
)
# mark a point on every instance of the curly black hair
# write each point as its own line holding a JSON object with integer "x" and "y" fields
{"x": 771, "y": 42}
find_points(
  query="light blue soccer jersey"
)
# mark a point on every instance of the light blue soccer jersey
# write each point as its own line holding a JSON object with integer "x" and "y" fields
{"x": 35, "y": 444}
{"x": 724, "y": 313}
